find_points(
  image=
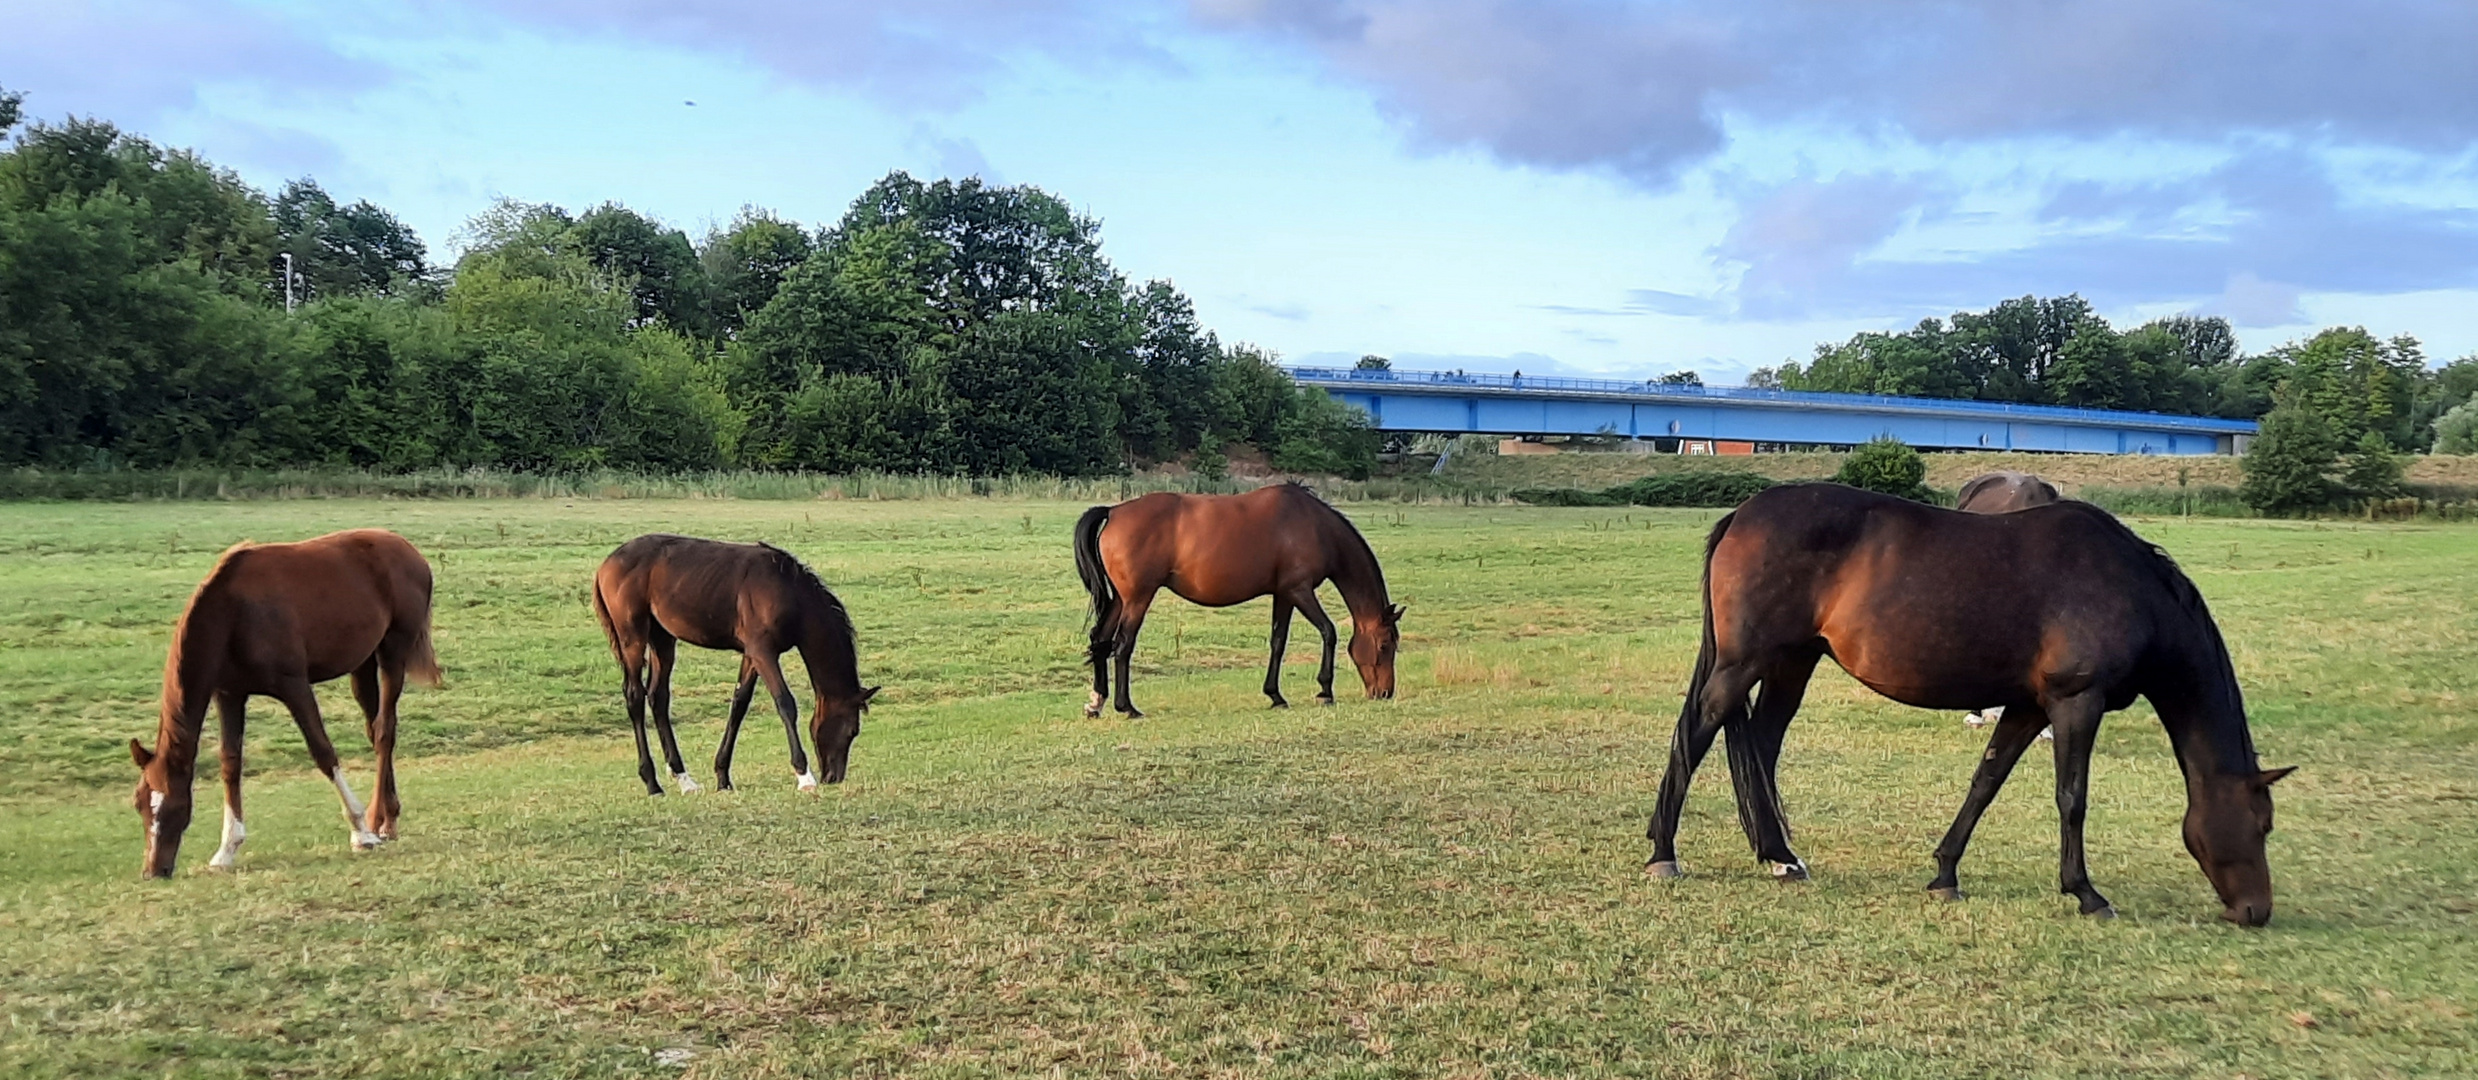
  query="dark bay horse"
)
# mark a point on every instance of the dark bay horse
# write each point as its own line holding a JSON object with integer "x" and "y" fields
{"x": 754, "y": 599}
{"x": 2003, "y": 492}
{"x": 2060, "y": 613}
{"x": 275, "y": 619}
{"x": 1219, "y": 550}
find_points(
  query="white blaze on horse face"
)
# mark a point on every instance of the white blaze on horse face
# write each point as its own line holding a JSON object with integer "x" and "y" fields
{"x": 154, "y": 813}
{"x": 808, "y": 781}
{"x": 686, "y": 784}
{"x": 234, "y": 833}
{"x": 354, "y": 815}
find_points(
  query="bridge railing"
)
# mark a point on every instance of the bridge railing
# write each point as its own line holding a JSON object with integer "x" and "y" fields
{"x": 1456, "y": 380}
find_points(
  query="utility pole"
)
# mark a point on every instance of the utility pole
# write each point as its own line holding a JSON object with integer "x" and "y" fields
{"x": 288, "y": 283}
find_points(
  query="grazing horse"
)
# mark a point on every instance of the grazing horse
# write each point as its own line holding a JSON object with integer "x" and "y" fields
{"x": 2003, "y": 492}
{"x": 754, "y": 599}
{"x": 2058, "y": 612}
{"x": 275, "y": 619}
{"x": 1218, "y": 550}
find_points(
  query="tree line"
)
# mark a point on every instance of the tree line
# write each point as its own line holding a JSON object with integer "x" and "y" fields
{"x": 2057, "y": 351}
{"x": 948, "y": 326}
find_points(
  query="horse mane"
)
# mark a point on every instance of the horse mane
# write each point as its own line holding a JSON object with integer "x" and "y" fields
{"x": 175, "y": 696}
{"x": 2189, "y": 600}
{"x": 1376, "y": 571}
{"x": 790, "y": 566}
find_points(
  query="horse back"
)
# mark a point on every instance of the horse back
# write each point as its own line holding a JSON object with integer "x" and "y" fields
{"x": 1932, "y": 606}
{"x": 710, "y": 593}
{"x": 2005, "y": 491}
{"x": 1219, "y": 550}
{"x": 317, "y": 608}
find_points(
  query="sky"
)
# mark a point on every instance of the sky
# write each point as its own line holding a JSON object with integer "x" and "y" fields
{"x": 1576, "y": 186}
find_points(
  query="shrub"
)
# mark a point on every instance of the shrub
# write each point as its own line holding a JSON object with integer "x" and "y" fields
{"x": 1564, "y": 497}
{"x": 1702, "y": 488}
{"x": 1322, "y": 435}
{"x": 2288, "y": 469}
{"x": 1888, "y": 465}
{"x": 2456, "y": 431}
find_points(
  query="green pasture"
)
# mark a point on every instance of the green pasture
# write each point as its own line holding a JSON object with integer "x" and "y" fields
{"x": 1443, "y": 885}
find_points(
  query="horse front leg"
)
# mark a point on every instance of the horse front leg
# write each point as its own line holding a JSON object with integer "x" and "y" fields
{"x": 1281, "y": 640}
{"x": 303, "y": 701}
{"x": 229, "y": 708}
{"x": 1307, "y": 604}
{"x": 731, "y": 727}
{"x": 2015, "y": 728}
{"x": 662, "y": 655}
{"x": 770, "y": 668}
{"x": 2076, "y": 723}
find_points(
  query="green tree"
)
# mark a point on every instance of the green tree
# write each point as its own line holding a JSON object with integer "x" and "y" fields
{"x": 2373, "y": 470}
{"x": 338, "y": 251}
{"x": 2456, "y": 432}
{"x": 659, "y": 265}
{"x": 1888, "y": 465}
{"x": 1682, "y": 378}
{"x": 2288, "y": 468}
{"x": 1373, "y": 362}
{"x": 11, "y": 106}
{"x": 746, "y": 263}
{"x": 1319, "y": 434}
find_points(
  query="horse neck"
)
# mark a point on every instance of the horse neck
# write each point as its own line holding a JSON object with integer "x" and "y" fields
{"x": 2204, "y": 711}
{"x": 826, "y": 650}
{"x": 188, "y": 687}
{"x": 1355, "y": 573}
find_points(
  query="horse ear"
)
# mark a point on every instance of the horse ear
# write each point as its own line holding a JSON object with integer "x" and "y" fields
{"x": 140, "y": 754}
{"x": 2268, "y": 777}
{"x": 868, "y": 692}
{"x": 1393, "y": 614}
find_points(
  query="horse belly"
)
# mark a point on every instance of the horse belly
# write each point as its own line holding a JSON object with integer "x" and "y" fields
{"x": 1921, "y": 652}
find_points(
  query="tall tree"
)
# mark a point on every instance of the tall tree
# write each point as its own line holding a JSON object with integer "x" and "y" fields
{"x": 745, "y": 263}
{"x": 355, "y": 250}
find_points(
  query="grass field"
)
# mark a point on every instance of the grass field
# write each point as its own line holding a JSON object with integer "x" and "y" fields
{"x": 1442, "y": 885}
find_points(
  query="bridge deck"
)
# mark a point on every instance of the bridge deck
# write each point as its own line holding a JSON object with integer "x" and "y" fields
{"x": 1550, "y": 405}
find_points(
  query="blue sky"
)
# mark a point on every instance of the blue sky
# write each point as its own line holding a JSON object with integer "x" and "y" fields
{"x": 1555, "y": 185}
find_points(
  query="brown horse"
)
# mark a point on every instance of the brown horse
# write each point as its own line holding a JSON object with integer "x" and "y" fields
{"x": 2003, "y": 492}
{"x": 2058, "y": 612}
{"x": 754, "y": 599}
{"x": 275, "y": 619}
{"x": 1218, "y": 550}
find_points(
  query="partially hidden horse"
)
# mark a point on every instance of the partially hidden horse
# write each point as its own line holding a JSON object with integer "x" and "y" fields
{"x": 658, "y": 590}
{"x": 274, "y": 620}
{"x": 2058, "y": 612}
{"x": 1218, "y": 550}
{"x": 2003, "y": 492}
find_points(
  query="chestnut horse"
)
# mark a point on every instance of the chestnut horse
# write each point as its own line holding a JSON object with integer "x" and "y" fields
{"x": 275, "y": 619}
{"x": 2003, "y": 492}
{"x": 754, "y": 599}
{"x": 1218, "y": 550}
{"x": 2060, "y": 613}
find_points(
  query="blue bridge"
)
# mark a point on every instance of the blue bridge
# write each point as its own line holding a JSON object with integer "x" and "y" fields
{"x": 1453, "y": 402}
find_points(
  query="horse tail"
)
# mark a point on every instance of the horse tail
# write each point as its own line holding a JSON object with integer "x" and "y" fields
{"x": 421, "y": 662}
{"x": 1097, "y": 581}
{"x": 1672, "y": 798}
{"x": 610, "y": 629}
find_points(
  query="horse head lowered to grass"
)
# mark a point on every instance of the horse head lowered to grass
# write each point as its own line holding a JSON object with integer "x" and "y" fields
{"x": 2059, "y": 613}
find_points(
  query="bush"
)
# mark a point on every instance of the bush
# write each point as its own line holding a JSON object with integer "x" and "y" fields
{"x": 1564, "y": 497}
{"x": 1888, "y": 465}
{"x": 2288, "y": 469}
{"x": 2456, "y": 431}
{"x": 1702, "y": 488}
{"x": 1321, "y": 435}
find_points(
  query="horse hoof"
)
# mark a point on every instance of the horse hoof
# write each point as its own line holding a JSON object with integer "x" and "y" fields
{"x": 365, "y": 841}
{"x": 1663, "y": 869}
{"x": 1947, "y": 893}
{"x": 1132, "y": 714}
{"x": 1325, "y": 699}
{"x": 2104, "y": 911}
{"x": 1789, "y": 871}
{"x": 1278, "y": 703}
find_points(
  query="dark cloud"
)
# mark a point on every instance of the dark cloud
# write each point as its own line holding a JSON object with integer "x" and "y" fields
{"x": 133, "y": 62}
{"x": 1639, "y": 88}
{"x": 2244, "y": 240}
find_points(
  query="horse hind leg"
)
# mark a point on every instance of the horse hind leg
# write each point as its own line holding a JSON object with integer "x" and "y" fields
{"x": 1754, "y": 763}
{"x": 633, "y": 688}
{"x": 1723, "y": 694}
{"x": 1132, "y": 610}
{"x": 229, "y": 708}
{"x": 386, "y": 810}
